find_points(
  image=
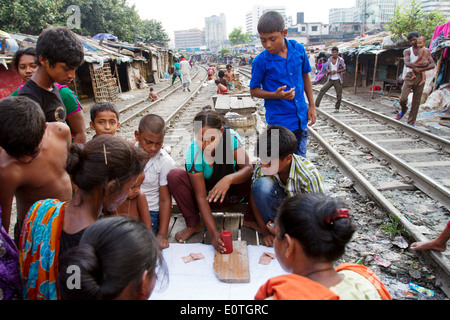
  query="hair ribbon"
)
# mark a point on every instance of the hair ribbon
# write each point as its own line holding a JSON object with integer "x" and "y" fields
{"x": 340, "y": 213}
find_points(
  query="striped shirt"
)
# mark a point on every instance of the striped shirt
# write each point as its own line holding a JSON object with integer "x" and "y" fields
{"x": 303, "y": 177}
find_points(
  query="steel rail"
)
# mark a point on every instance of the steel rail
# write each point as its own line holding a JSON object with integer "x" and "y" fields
{"x": 426, "y": 136}
{"x": 364, "y": 187}
{"x": 428, "y": 185}
{"x": 134, "y": 104}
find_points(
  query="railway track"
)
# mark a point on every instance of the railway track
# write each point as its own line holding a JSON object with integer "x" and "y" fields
{"x": 401, "y": 169}
{"x": 349, "y": 150}
{"x": 169, "y": 96}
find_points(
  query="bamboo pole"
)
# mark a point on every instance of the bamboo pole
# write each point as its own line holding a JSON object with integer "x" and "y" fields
{"x": 356, "y": 72}
{"x": 374, "y": 76}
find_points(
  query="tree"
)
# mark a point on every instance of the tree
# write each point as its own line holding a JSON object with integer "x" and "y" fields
{"x": 30, "y": 16}
{"x": 224, "y": 51}
{"x": 412, "y": 18}
{"x": 153, "y": 32}
{"x": 106, "y": 16}
{"x": 238, "y": 37}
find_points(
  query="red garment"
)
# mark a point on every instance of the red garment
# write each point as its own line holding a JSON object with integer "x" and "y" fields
{"x": 221, "y": 92}
{"x": 294, "y": 287}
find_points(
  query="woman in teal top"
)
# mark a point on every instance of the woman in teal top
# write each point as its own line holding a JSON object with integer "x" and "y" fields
{"x": 218, "y": 173}
{"x": 24, "y": 62}
{"x": 177, "y": 72}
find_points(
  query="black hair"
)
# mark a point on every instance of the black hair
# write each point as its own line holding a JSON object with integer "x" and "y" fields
{"x": 311, "y": 219}
{"x": 270, "y": 22}
{"x": 285, "y": 139}
{"x": 221, "y": 74}
{"x": 422, "y": 38}
{"x": 152, "y": 123}
{"x": 412, "y": 35}
{"x": 103, "y": 106}
{"x": 113, "y": 253}
{"x": 335, "y": 49}
{"x": 104, "y": 159}
{"x": 60, "y": 44}
{"x": 207, "y": 118}
{"x": 217, "y": 81}
{"x": 22, "y": 126}
{"x": 30, "y": 51}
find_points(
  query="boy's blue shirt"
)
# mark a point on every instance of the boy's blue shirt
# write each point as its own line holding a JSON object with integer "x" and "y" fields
{"x": 270, "y": 72}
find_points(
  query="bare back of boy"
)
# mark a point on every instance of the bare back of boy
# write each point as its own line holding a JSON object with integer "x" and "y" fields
{"x": 44, "y": 177}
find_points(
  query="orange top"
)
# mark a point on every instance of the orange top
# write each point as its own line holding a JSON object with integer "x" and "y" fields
{"x": 294, "y": 287}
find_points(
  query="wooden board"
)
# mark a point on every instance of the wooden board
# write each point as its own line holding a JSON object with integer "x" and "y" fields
{"x": 233, "y": 268}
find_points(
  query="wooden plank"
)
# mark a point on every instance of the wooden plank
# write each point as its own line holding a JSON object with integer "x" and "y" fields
{"x": 251, "y": 236}
{"x": 234, "y": 267}
{"x": 232, "y": 222}
{"x": 222, "y": 103}
{"x": 429, "y": 164}
{"x": 395, "y": 185}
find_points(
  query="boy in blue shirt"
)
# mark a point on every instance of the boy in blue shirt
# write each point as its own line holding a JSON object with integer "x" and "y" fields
{"x": 280, "y": 76}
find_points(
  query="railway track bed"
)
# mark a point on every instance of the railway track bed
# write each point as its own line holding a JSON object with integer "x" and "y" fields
{"x": 395, "y": 179}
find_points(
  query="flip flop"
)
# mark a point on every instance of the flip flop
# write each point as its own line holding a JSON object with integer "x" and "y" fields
{"x": 400, "y": 115}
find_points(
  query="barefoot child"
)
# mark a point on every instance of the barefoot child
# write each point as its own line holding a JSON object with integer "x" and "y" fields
{"x": 218, "y": 173}
{"x": 424, "y": 56}
{"x": 221, "y": 89}
{"x": 33, "y": 159}
{"x": 136, "y": 206}
{"x": 150, "y": 138}
{"x": 231, "y": 77}
{"x": 153, "y": 95}
{"x": 279, "y": 173}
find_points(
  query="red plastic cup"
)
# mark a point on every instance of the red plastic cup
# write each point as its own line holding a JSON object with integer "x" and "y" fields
{"x": 227, "y": 238}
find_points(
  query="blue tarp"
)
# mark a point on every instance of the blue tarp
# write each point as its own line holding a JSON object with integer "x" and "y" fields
{"x": 105, "y": 36}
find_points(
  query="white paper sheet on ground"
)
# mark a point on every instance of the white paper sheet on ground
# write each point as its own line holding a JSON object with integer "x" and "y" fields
{"x": 197, "y": 280}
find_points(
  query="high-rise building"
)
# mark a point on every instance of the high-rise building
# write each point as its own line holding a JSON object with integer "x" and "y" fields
{"x": 252, "y": 17}
{"x": 433, "y": 5}
{"x": 215, "y": 31}
{"x": 341, "y": 15}
{"x": 300, "y": 17}
{"x": 192, "y": 38}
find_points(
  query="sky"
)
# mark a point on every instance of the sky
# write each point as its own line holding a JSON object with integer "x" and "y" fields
{"x": 184, "y": 15}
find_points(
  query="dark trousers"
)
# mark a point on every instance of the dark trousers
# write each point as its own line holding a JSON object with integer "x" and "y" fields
{"x": 327, "y": 86}
{"x": 417, "y": 90}
{"x": 182, "y": 191}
